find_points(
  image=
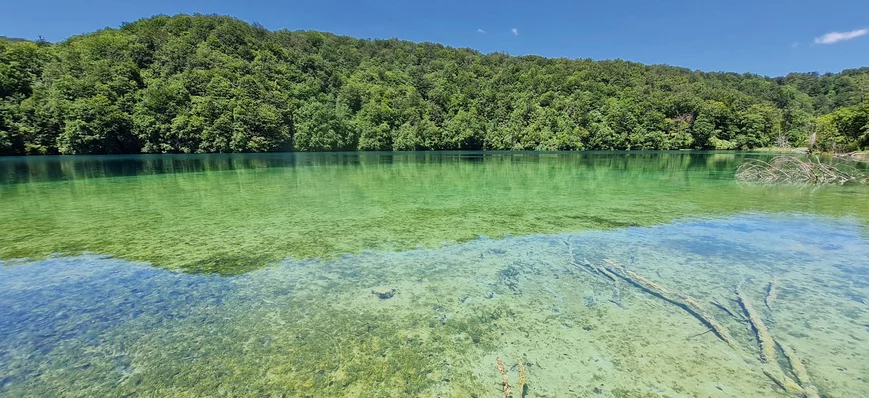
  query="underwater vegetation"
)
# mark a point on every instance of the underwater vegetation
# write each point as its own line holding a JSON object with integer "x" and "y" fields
{"x": 241, "y": 337}
{"x": 295, "y": 277}
{"x": 233, "y": 214}
{"x": 96, "y": 326}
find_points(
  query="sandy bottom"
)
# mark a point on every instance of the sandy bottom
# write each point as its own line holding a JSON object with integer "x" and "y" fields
{"x": 98, "y": 326}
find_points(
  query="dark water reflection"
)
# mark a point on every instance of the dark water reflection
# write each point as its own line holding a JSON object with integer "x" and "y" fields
{"x": 55, "y": 168}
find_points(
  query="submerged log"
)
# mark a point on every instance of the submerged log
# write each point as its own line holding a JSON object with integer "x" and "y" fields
{"x": 771, "y": 293}
{"x": 782, "y": 380}
{"x": 684, "y": 301}
{"x": 588, "y": 267}
{"x": 799, "y": 370}
{"x": 767, "y": 344}
{"x": 729, "y": 311}
{"x": 803, "y": 386}
{"x": 635, "y": 278}
{"x": 707, "y": 318}
{"x": 796, "y": 365}
{"x": 605, "y": 272}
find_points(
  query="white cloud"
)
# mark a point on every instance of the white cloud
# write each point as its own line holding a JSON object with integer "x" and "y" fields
{"x": 795, "y": 44}
{"x": 481, "y": 31}
{"x": 515, "y": 31}
{"x": 835, "y": 37}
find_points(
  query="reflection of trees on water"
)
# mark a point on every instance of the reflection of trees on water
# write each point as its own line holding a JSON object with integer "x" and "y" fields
{"x": 21, "y": 170}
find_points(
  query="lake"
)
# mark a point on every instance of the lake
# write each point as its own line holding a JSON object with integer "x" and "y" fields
{"x": 616, "y": 274}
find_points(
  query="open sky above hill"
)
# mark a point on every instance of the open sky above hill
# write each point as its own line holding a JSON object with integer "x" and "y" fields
{"x": 769, "y": 38}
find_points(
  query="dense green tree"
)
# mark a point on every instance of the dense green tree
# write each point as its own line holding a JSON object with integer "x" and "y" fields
{"x": 324, "y": 127}
{"x": 96, "y": 125}
{"x": 845, "y": 128}
{"x": 197, "y": 83}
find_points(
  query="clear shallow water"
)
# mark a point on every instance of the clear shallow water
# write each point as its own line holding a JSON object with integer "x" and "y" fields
{"x": 93, "y": 325}
{"x": 234, "y": 213}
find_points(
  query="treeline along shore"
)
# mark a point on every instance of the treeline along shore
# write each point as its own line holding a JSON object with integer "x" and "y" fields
{"x": 203, "y": 83}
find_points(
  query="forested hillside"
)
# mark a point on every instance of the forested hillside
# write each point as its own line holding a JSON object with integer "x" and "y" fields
{"x": 217, "y": 84}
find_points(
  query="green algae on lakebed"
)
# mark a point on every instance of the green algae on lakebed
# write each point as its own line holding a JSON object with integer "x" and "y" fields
{"x": 231, "y": 214}
{"x": 281, "y": 254}
{"x": 95, "y": 326}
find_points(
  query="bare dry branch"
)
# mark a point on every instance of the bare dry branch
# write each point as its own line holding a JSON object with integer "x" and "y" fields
{"x": 793, "y": 170}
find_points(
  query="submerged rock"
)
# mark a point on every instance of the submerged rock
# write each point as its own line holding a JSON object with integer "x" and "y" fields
{"x": 383, "y": 292}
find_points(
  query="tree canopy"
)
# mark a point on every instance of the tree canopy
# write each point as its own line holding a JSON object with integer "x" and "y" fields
{"x": 203, "y": 83}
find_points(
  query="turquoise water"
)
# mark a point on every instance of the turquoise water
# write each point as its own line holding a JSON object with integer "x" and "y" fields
{"x": 86, "y": 324}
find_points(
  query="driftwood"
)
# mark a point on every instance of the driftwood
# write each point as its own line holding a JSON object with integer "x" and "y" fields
{"x": 793, "y": 170}
{"x": 796, "y": 365}
{"x": 858, "y": 156}
{"x": 770, "y": 366}
{"x": 786, "y": 383}
{"x": 634, "y": 278}
{"x": 605, "y": 272}
{"x": 707, "y": 318}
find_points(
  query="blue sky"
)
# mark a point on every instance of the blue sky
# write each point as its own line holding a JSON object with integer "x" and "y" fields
{"x": 769, "y": 37}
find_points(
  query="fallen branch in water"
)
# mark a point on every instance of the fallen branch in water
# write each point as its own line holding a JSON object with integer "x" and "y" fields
{"x": 771, "y": 293}
{"x": 505, "y": 379}
{"x": 786, "y": 383}
{"x": 684, "y": 301}
{"x": 587, "y": 266}
{"x": 793, "y": 170}
{"x": 799, "y": 371}
{"x": 764, "y": 338}
{"x": 729, "y": 311}
{"x": 698, "y": 334}
{"x": 771, "y": 368}
{"x": 801, "y": 387}
{"x": 605, "y": 272}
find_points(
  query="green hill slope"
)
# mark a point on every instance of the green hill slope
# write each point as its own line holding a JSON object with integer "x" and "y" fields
{"x": 217, "y": 84}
